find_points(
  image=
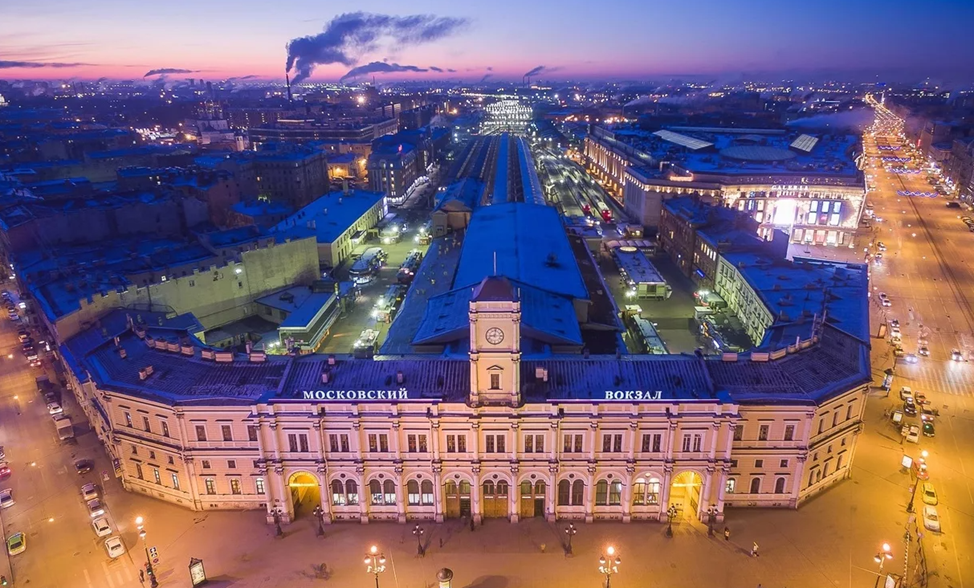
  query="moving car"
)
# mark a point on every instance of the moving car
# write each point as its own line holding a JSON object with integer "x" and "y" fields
{"x": 931, "y": 520}
{"x": 928, "y": 429}
{"x": 911, "y": 358}
{"x": 956, "y": 355}
{"x": 928, "y": 494}
{"x": 910, "y": 407}
{"x": 927, "y": 414}
{"x": 906, "y": 392}
{"x": 95, "y": 508}
{"x": 6, "y": 498}
{"x": 16, "y": 543}
{"x": 884, "y": 300}
{"x": 101, "y": 527}
{"x": 54, "y": 408}
{"x": 4, "y": 469}
{"x": 920, "y": 398}
{"x": 924, "y": 351}
{"x": 114, "y": 547}
{"x": 881, "y": 246}
{"x": 83, "y": 466}
{"x": 89, "y": 492}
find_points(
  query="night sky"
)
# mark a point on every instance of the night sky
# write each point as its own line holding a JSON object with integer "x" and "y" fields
{"x": 617, "y": 39}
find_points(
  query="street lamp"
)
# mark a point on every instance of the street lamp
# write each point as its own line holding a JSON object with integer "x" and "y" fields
{"x": 670, "y": 513}
{"x": 418, "y": 533}
{"x": 276, "y": 513}
{"x": 148, "y": 561}
{"x": 880, "y": 558}
{"x": 319, "y": 514}
{"x": 711, "y": 515}
{"x": 570, "y": 531}
{"x": 609, "y": 565}
{"x": 375, "y": 563}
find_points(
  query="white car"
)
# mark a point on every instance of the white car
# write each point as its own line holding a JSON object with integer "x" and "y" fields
{"x": 911, "y": 358}
{"x": 89, "y": 492}
{"x": 54, "y": 408}
{"x": 101, "y": 526}
{"x": 912, "y": 434}
{"x": 95, "y": 508}
{"x": 931, "y": 520}
{"x": 906, "y": 392}
{"x": 956, "y": 355}
{"x": 6, "y": 498}
{"x": 114, "y": 547}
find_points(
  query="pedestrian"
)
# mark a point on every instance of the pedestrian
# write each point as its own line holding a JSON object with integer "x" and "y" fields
{"x": 754, "y": 549}
{"x": 726, "y": 533}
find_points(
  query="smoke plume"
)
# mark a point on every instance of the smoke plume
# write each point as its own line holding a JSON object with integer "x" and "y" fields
{"x": 349, "y": 35}
{"x": 850, "y": 120}
{"x": 168, "y": 70}
{"x": 37, "y": 64}
{"x": 379, "y": 67}
{"x": 486, "y": 77}
{"x": 436, "y": 69}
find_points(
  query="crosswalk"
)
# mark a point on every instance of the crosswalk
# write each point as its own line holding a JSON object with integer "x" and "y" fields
{"x": 116, "y": 574}
{"x": 946, "y": 377}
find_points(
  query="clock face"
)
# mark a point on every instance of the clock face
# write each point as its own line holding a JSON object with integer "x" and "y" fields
{"x": 494, "y": 336}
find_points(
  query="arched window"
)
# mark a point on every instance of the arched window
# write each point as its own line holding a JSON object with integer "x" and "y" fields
{"x": 578, "y": 493}
{"x": 639, "y": 492}
{"x": 389, "y": 489}
{"x": 375, "y": 492}
{"x": 564, "y": 493}
{"x": 451, "y": 488}
{"x": 755, "y": 485}
{"x": 652, "y": 491}
{"x": 427, "y": 493}
{"x": 337, "y": 493}
{"x": 615, "y": 493}
{"x": 351, "y": 492}
{"x": 601, "y": 493}
{"x": 503, "y": 489}
{"x": 412, "y": 493}
{"x": 779, "y": 486}
{"x": 464, "y": 488}
{"x": 539, "y": 489}
{"x": 488, "y": 489}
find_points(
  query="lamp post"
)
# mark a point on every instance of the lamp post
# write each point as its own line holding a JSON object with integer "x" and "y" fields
{"x": 319, "y": 514}
{"x": 609, "y": 565}
{"x": 880, "y": 558}
{"x": 921, "y": 466}
{"x": 278, "y": 531}
{"x": 148, "y": 561}
{"x": 375, "y": 563}
{"x": 570, "y": 531}
{"x": 418, "y": 533}
{"x": 711, "y": 515}
{"x": 670, "y": 513}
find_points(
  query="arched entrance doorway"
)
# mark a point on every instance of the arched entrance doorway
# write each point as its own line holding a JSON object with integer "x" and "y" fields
{"x": 457, "y": 499}
{"x": 532, "y": 499}
{"x": 305, "y": 493}
{"x": 685, "y": 495}
{"x": 496, "y": 499}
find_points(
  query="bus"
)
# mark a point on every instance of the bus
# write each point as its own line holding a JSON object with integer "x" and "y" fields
{"x": 388, "y": 304}
{"x": 366, "y": 268}
{"x": 407, "y": 271}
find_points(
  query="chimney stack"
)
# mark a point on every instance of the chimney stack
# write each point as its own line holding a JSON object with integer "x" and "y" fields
{"x": 287, "y": 81}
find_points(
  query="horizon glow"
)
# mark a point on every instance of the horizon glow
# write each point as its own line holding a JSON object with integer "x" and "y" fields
{"x": 627, "y": 39}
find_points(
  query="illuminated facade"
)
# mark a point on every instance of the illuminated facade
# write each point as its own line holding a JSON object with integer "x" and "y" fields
{"x": 496, "y": 434}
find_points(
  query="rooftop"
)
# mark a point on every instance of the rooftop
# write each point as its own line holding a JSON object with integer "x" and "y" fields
{"x": 524, "y": 242}
{"x": 639, "y": 269}
{"x": 330, "y": 215}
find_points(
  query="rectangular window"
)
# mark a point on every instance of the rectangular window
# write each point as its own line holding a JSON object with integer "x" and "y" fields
{"x": 759, "y": 463}
{"x": 259, "y": 485}
{"x": 789, "y": 432}
{"x": 835, "y": 418}
{"x": 451, "y": 443}
{"x": 227, "y": 432}
{"x": 821, "y": 425}
{"x": 251, "y": 432}
{"x": 573, "y": 443}
{"x": 231, "y": 464}
{"x": 165, "y": 429}
{"x": 617, "y": 443}
{"x": 606, "y": 443}
{"x": 416, "y": 443}
{"x": 383, "y": 443}
{"x": 297, "y": 442}
{"x": 155, "y": 474}
{"x": 343, "y": 438}
{"x": 739, "y": 433}
{"x": 848, "y": 412}
{"x": 138, "y": 471}
{"x": 411, "y": 443}
{"x": 423, "y": 446}
{"x": 135, "y": 450}
{"x": 763, "y": 432}
{"x": 529, "y": 444}
{"x": 489, "y": 444}
{"x": 462, "y": 443}
{"x": 145, "y": 424}
{"x": 128, "y": 419}
{"x": 200, "y": 432}
{"x": 175, "y": 481}
{"x": 235, "y": 485}
{"x": 731, "y": 485}
{"x": 783, "y": 463}
{"x": 210, "y": 485}
{"x": 495, "y": 381}
{"x": 206, "y": 464}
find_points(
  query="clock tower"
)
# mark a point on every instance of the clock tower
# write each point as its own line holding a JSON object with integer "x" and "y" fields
{"x": 495, "y": 343}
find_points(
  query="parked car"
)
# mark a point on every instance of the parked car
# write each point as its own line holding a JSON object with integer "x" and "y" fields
{"x": 906, "y": 392}
{"x": 54, "y": 408}
{"x": 924, "y": 351}
{"x": 16, "y": 543}
{"x": 114, "y": 547}
{"x": 956, "y": 355}
{"x": 928, "y": 494}
{"x": 928, "y": 429}
{"x": 95, "y": 507}
{"x": 83, "y": 466}
{"x": 6, "y": 498}
{"x": 931, "y": 520}
{"x": 913, "y": 434}
{"x": 89, "y": 492}
{"x": 4, "y": 469}
{"x": 101, "y": 527}
{"x": 910, "y": 407}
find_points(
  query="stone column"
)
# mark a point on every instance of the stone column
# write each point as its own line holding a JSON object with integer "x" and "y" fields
{"x": 400, "y": 495}
{"x": 627, "y": 493}
{"x": 513, "y": 497}
{"x": 664, "y": 503}
{"x": 476, "y": 511}
{"x": 590, "y": 495}
{"x": 324, "y": 493}
{"x": 438, "y": 507}
{"x": 551, "y": 499}
{"x": 365, "y": 497}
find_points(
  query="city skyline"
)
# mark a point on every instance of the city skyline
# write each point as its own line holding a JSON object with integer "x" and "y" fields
{"x": 871, "y": 41}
